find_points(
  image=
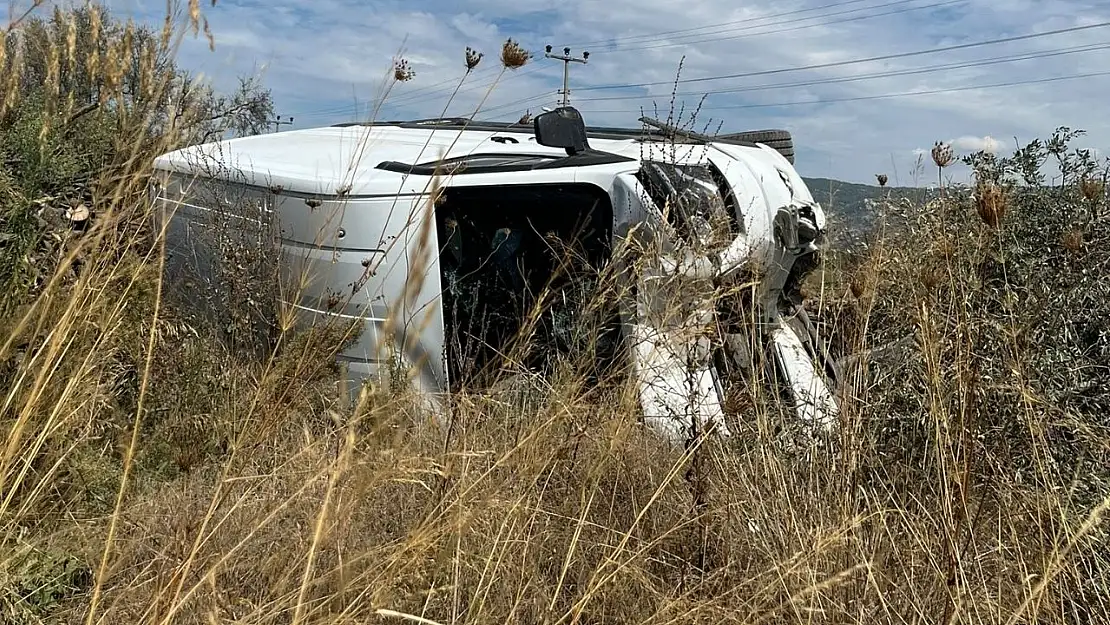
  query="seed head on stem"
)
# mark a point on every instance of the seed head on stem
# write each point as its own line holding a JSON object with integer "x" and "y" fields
{"x": 402, "y": 71}
{"x": 473, "y": 57}
{"x": 990, "y": 203}
{"x": 513, "y": 55}
{"x": 1092, "y": 188}
{"x": 942, "y": 154}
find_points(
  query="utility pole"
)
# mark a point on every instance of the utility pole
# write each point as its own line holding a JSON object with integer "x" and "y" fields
{"x": 567, "y": 59}
{"x": 278, "y": 122}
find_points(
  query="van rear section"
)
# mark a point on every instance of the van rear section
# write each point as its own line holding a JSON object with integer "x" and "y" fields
{"x": 243, "y": 258}
{"x": 222, "y": 257}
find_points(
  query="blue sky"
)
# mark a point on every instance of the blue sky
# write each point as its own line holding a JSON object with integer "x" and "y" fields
{"x": 327, "y": 61}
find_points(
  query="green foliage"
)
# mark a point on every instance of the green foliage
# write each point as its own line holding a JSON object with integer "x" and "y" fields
{"x": 1025, "y": 303}
{"x": 91, "y": 99}
{"x": 1026, "y": 166}
{"x": 34, "y": 582}
{"x": 243, "y": 112}
{"x": 46, "y": 168}
{"x": 1003, "y": 388}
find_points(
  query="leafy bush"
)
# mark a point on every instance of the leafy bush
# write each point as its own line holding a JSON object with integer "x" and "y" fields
{"x": 90, "y": 100}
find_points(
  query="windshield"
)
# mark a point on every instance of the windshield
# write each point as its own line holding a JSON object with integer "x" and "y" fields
{"x": 695, "y": 200}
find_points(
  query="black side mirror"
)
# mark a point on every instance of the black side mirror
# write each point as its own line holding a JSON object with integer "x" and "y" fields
{"x": 562, "y": 128}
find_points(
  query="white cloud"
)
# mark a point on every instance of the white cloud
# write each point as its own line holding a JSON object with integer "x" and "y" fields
{"x": 969, "y": 143}
{"x": 324, "y": 55}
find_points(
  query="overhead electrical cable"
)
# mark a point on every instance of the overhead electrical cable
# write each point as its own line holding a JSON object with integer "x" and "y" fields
{"x": 870, "y": 59}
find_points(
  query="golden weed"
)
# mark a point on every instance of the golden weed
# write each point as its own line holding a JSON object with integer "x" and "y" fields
{"x": 1092, "y": 189}
{"x": 513, "y": 55}
{"x": 991, "y": 201}
{"x": 1073, "y": 240}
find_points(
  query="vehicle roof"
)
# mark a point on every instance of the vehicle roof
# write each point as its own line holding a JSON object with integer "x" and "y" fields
{"x": 319, "y": 161}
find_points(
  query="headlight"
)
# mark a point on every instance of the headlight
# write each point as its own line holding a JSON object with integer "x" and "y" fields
{"x": 808, "y": 229}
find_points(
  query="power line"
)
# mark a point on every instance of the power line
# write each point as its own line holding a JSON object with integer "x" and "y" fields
{"x": 444, "y": 87}
{"x": 871, "y": 59}
{"x": 603, "y": 42}
{"x": 429, "y": 91}
{"x": 888, "y": 74}
{"x": 894, "y": 73}
{"x": 672, "y": 44}
{"x": 403, "y": 100}
{"x": 884, "y": 95}
{"x": 513, "y": 104}
{"x": 516, "y": 103}
{"x": 447, "y": 82}
{"x": 434, "y": 90}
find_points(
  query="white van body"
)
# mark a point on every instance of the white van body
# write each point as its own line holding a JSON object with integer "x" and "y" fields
{"x": 357, "y": 202}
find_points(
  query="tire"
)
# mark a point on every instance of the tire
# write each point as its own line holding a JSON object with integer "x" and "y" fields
{"x": 779, "y": 140}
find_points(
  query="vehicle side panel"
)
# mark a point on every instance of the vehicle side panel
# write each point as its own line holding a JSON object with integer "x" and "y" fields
{"x": 366, "y": 260}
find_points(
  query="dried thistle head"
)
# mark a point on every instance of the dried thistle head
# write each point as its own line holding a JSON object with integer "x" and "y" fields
{"x": 1073, "y": 240}
{"x": 945, "y": 249}
{"x": 990, "y": 203}
{"x": 1092, "y": 188}
{"x": 931, "y": 277}
{"x": 402, "y": 71}
{"x": 943, "y": 155}
{"x": 882, "y": 179}
{"x": 473, "y": 57}
{"x": 857, "y": 289}
{"x": 513, "y": 55}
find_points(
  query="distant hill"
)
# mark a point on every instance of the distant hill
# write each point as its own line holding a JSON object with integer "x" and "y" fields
{"x": 850, "y": 206}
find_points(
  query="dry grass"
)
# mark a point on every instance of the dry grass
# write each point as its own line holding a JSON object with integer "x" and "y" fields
{"x": 151, "y": 473}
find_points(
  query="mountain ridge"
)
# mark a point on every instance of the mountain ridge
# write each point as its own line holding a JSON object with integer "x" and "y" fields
{"x": 849, "y": 205}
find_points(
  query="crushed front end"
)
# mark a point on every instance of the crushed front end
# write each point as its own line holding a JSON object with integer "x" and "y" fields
{"x": 719, "y": 309}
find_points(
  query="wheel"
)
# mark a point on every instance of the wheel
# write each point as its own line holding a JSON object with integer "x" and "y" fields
{"x": 779, "y": 140}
